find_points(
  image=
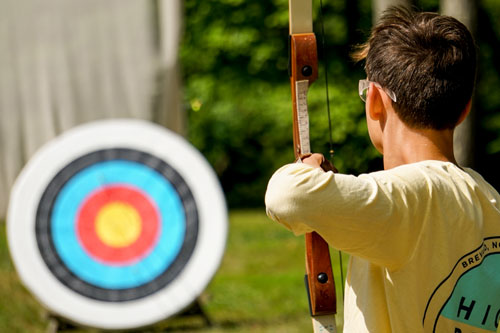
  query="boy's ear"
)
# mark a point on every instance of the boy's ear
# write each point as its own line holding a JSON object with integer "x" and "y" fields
{"x": 465, "y": 112}
{"x": 374, "y": 102}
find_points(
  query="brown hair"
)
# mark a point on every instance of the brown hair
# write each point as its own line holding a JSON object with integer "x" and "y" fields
{"x": 428, "y": 60}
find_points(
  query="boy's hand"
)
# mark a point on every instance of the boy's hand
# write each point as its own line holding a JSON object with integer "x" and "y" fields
{"x": 318, "y": 161}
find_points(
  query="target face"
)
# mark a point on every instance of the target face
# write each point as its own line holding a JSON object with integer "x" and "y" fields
{"x": 109, "y": 230}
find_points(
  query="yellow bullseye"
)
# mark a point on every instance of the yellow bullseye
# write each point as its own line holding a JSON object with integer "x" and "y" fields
{"x": 118, "y": 224}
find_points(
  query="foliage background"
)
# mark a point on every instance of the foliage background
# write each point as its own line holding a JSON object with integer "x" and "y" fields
{"x": 234, "y": 58}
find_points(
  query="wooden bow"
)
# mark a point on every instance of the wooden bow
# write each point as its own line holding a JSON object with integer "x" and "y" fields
{"x": 303, "y": 72}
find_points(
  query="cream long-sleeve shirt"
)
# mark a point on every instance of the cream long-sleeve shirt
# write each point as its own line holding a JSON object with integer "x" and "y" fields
{"x": 424, "y": 241}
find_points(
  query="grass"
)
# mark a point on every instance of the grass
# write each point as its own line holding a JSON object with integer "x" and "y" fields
{"x": 258, "y": 288}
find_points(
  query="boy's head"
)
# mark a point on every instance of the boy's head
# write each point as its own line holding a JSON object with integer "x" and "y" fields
{"x": 427, "y": 60}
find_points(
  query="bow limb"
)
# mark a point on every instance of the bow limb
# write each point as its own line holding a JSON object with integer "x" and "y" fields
{"x": 303, "y": 72}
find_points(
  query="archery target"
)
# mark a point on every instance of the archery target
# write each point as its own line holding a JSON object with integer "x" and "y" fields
{"x": 117, "y": 224}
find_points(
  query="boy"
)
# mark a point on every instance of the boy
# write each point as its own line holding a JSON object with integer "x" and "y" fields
{"x": 424, "y": 234}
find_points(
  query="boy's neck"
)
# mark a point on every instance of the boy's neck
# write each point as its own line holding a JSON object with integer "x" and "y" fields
{"x": 404, "y": 145}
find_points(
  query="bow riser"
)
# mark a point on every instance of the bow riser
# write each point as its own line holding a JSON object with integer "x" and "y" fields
{"x": 303, "y": 72}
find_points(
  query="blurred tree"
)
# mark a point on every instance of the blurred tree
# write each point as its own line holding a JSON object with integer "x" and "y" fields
{"x": 465, "y": 12}
{"x": 234, "y": 58}
{"x": 487, "y": 99}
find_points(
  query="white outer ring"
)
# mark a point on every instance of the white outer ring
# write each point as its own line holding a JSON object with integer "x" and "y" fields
{"x": 124, "y": 133}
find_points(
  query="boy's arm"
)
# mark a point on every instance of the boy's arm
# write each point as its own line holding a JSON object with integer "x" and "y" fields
{"x": 362, "y": 215}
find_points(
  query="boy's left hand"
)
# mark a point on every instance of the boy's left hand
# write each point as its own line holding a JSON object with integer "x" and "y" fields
{"x": 318, "y": 161}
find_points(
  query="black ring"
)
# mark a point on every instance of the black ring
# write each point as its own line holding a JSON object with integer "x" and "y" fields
{"x": 52, "y": 259}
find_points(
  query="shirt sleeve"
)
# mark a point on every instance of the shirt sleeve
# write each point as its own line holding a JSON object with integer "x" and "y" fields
{"x": 368, "y": 216}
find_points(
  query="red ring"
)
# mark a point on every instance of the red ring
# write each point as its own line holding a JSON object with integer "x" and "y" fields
{"x": 91, "y": 242}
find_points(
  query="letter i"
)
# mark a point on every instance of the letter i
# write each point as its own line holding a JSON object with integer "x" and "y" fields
{"x": 486, "y": 315}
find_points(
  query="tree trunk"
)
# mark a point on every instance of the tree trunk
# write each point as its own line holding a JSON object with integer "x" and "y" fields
{"x": 466, "y": 12}
{"x": 378, "y": 6}
{"x": 168, "y": 111}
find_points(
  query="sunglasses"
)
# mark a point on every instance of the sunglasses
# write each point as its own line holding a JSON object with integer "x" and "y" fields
{"x": 365, "y": 84}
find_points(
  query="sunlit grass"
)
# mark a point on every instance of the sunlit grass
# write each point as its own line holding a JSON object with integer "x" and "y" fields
{"x": 258, "y": 288}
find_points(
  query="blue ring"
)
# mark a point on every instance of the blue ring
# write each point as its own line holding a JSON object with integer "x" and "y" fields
{"x": 118, "y": 172}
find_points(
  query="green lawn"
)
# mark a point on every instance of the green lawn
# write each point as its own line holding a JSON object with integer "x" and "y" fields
{"x": 258, "y": 288}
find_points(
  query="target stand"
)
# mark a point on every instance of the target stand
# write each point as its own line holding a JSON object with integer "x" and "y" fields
{"x": 117, "y": 224}
{"x": 195, "y": 310}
